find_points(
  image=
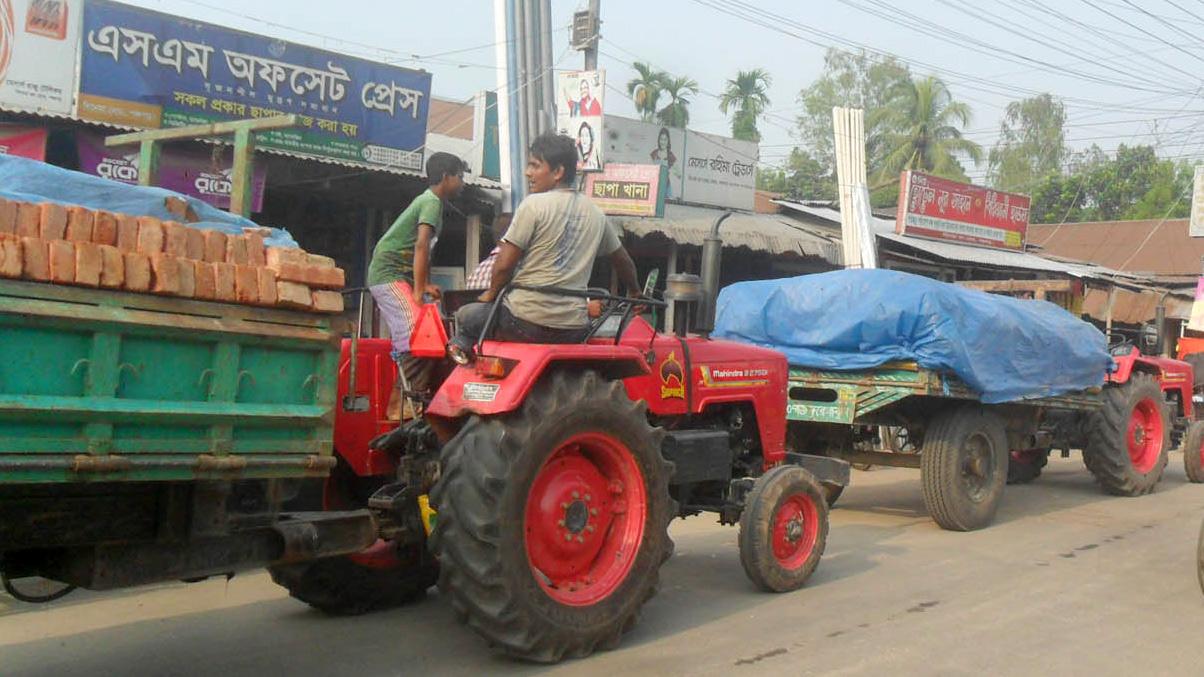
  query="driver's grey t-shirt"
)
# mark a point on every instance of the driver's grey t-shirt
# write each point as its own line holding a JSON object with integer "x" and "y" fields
{"x": 560, "y": 233}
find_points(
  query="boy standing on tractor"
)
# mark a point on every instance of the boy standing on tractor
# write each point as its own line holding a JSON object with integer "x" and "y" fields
{"x": 552, "y": 242}
{"x": 399, "y": 274}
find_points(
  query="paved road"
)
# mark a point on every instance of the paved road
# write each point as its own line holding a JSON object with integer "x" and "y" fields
{"x": 1068, "y": 581}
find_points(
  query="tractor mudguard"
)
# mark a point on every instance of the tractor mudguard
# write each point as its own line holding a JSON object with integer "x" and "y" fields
{"x": 467, "y": 391}
{"x": 829, "y": 471}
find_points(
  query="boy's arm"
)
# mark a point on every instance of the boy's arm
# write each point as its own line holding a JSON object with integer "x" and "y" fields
{"x": 422, "y": 264}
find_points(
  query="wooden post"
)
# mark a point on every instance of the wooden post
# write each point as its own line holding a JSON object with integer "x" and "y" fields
{"x": 242, "y": 186}
{"x": 1108, "y": 312}
{"x": 472, "y": 244}
{"x": 148, "y": 162}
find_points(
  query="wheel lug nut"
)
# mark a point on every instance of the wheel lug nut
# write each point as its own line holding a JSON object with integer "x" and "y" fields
{"x": 564, "y": 506}
{"x": 568, "y": 537}
{"x": 590, "y": 528}
{"x": 580, "y": 539}
{"x": 588, "y": 498}
{"x": 560, "y": 523}
{"x": 593, "y": 512}
{"x": 576, "y": 495}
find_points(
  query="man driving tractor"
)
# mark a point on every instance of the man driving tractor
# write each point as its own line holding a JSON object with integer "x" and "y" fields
{"x": 552, "y": 241}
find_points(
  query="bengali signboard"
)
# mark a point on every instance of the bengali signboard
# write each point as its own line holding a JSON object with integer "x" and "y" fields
{"x": 628, "y": 190}
{"x": 26, "y": 142}
{"x": 940, "y": 209}
{"x": 720, "y": 171}
{"x": 633, "y": 142}
{"x": 579, "y": 114}
{"x": 145, "y": 69}
{"x": 194, "y": 173}
{"x": 39, "y": 40}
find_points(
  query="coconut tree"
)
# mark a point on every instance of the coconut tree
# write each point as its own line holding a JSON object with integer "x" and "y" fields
{"x": 677, "y": 112}
{"x": 920, "y": 128}
{"x": 645, "y": 89}
{"x": 746, "y": 97}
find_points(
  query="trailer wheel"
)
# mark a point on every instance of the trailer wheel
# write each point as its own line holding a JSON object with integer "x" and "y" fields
{"x": 964, "y": 467}
{"x": 784, "y": 529}
{"x": 1026, "y": 465}
{"x": 1128, "y": 439}
{"x": 1193, "y": 452}
{"x": 380, "y": 577}
{"x": 553, "y": 521}
{"x": 1200, "y": 558}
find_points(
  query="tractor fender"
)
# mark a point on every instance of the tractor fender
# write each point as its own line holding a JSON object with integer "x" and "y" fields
{"x": 467, "y": 391}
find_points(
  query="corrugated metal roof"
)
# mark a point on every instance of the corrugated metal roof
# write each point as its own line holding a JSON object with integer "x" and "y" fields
{"x": 771, "y": 233}
{"x": 1151, "y": 246}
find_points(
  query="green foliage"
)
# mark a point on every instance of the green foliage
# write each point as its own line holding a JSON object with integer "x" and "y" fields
{"x": 645, "y": 89}
{"x": 1133, "y": 184}
{"x": 677, "y": 112}
{"x": 920, "y": 128}
{"x": 803, "y": 178}
{"x": 746, "y": 97}
{"x": 1031, "y": 145}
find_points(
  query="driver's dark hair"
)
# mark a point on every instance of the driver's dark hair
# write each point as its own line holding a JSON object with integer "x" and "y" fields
{"x": 442, "y": 164}
{"x": 557, "y": 150}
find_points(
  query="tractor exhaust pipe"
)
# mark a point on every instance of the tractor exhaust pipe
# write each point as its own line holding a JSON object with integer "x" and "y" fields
{"x": 712, "y": 255}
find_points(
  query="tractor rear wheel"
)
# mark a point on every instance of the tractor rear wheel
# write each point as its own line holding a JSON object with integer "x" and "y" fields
{"x": 553, "y": 521}
{"x": 1193, "y": 452}
{"x": 963, "y": 467}
{"x": 1026, "y": 465}
{"x": 783, "y": 529}
{"x": 380, "y": 577}
{"x": 1128, "y": 439}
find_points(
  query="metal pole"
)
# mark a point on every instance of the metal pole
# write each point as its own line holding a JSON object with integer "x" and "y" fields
{"x": 547, "y": 84}
{"x": 591, "y": 52}
{"x": 530, "y": 70}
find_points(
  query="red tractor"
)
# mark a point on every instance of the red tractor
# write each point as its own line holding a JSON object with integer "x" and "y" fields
{"x": 553, "y": 472}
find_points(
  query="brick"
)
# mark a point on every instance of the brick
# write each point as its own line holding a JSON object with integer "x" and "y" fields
{"x": 223, "y": 282}
{"x": 293, "y": 295}
{"x": 35, "y": 259}
{"x": 104, "y": 231}
{"x": 203, "y": 276}
{"x": 52, "y": 221}
{"x": 312, "y": 276}
{"x": 150, "y": 235}
{"x": 236, "y": 250}
{"x": 127, "y": 233}
{"x": 187, "y": 278}
{"x": 256, "y": 252}
{"x": 10, "y": 257}
{"x": 88, "y": 264}
{"x": 246, "y": 284}
{"x": 195, "y": 244}
{"x": 327, "y": 301}
{"x": 29, "y": 220}
{"x": 8, "y": 216}
{"x": 165, "y": 274}
{"x": 112, "y": 267}
{"x": 175, "y": 239}
{"x": 80, "y": 224}
{"x": 62, "y": 261}
{"x": 278, "y": 256}
{"x": 215, "y": 246}
{"x": 263, "y": 232}
{"x": 267, "y": 286}
{"x": 137, "y": 271}
{"x": 319, "y": 261}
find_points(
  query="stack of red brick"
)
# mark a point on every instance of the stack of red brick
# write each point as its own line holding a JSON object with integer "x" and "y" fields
{"x": 74, "y": 245}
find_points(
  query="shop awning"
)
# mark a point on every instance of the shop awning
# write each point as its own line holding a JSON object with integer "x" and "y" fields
{"x": 770, "y": 233}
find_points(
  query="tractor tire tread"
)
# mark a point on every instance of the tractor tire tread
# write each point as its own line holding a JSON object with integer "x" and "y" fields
{"x": 1106, "y": 454}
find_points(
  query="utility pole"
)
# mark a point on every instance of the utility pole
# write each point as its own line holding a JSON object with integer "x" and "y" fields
{"x": 591, "y": 52}
{"x": 525, "y": 84}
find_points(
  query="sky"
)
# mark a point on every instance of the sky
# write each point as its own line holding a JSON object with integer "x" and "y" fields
{"x": 1126, "y": 69}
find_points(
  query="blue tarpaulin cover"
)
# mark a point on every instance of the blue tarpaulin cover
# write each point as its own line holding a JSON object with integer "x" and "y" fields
{"x": 33, "y": 181}
{"x": 1005, "y": 349}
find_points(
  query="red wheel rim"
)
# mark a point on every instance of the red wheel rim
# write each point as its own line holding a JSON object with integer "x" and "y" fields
{"x": 584, "y": 519}
{"x": 1145, "y": 435}
{"x": 795, "y": 530}
{"x": 379, "y": 555}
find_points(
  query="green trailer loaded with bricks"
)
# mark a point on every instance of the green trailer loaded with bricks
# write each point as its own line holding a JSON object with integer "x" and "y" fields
{"x": 145, "y": 438}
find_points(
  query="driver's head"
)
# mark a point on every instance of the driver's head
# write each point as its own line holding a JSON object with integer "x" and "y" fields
{"x": 551, "y": 163}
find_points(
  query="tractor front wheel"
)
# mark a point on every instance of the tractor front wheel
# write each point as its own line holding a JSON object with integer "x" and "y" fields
{"x": 783, "y": 529}
{"x": 1128, "y": 439}
{"x": 553, "y": 521}
{"x": 1193, "y": 452}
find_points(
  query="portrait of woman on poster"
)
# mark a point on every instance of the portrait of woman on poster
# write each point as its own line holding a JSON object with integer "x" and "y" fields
{"x": 587, "y": 156}
{"x": 663, "y": 155}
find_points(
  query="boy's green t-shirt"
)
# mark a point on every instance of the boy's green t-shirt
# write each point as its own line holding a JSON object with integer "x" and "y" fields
{"x": 393, "y": 258}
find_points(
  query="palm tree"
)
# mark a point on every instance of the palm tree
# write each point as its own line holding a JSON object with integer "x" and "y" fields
{"x": 920, "y": 128}
{"x": 645, "y": 89}
{"x": 747, "y": 95}
{"x": 677, "y": 112}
